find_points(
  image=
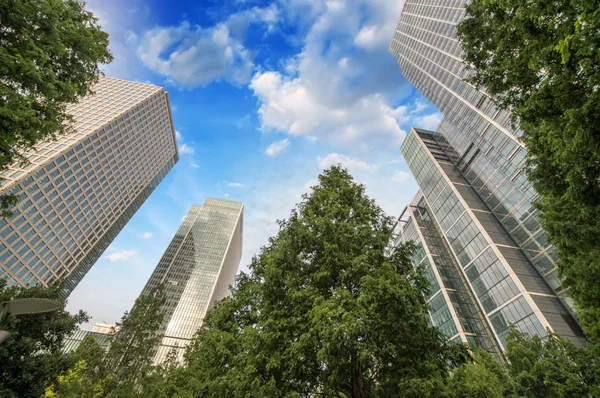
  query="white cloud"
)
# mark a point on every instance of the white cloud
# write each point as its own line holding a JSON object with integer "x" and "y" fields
{"x": 147, "y": 235}
{"x": 352, "y": 164}
{"x": 275, "y": 148}
{"x": 428, "y": 122}
{"x": 178, "y": 136}
{"x": 121, "y": 255}
{"x": 186, "y": 149}
{"x": 311, "y": 183}
{"x": 194, "y": 165}
{"x": 233, "y": 184}
{"x": 400, "y": 176}
{"x": 366, "y": 38}
{"x": 343, "y": 86}
{"x": 192, "y": 56}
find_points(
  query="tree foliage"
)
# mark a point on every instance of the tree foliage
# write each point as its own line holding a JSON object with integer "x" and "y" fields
{"x": 126, "y": 370}
{"x": 324, "y": 311}
{"x": 541, "y": 59}
{"x": 548, "y": 367}
{"x": 31, "y": 357}
{"x": 50, "y": 52}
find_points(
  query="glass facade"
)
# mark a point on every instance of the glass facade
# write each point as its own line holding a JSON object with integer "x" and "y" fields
{"x": 483, "y": 140}
{"x": 480, "y": 146}
{"x": 197, "y": 270}
{"x": 482, "y": 281}
{"x": 100, "y": 331}
{"x": 80, "y": 190}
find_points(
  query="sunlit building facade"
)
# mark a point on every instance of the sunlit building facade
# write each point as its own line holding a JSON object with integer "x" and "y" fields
{"x": 197, "y": 270}
{"x": 101, "y": 332}
{"x": 80, "y": 190}
{"x": 483, "y": 147}
{"x": 481, "y": 279}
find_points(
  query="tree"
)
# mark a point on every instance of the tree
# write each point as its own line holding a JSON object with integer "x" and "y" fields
{"x": 541, "y": 60}
{"x": 31, "y": 357}
{"x": 324, "y": 311}
{"x": 127, "y": 368}
{"x": 551, "y": 367}
{"x": 481, "y": 378}
{"x": 87, "y": 378}
{"x": 50, "y": 52}
{"x": 536, "y": 367}
{"x": 132, "y": 347}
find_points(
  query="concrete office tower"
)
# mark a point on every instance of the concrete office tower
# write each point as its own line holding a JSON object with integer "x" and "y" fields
{"x": 477, "y": 138}
{"x": 197, "y": 269}
{"x": 79, "y": 191}
{"x": 481, "y": 279}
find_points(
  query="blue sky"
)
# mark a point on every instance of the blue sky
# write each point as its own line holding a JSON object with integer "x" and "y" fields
{"x": 265, "y": 95}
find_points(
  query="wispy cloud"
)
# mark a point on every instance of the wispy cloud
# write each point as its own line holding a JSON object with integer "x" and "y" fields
{"x": 400, "y": 176}
{"x": 343, "y": 86}
{"x": 147, "y": 235}
{"x": 275, "y": 148}
{"x": 191, "y": 55}
{"x": 233, "y": 184}
{"x": 186, "y": 149}
{"x": 353, "y": 164}
{"x": 121, "y": 255}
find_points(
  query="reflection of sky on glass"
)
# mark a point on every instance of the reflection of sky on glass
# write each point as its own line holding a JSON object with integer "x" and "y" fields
{"x": 197, "y": 268}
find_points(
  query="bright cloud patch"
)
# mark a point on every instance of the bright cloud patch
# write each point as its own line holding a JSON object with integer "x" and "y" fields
{"x": 121, "y": 256}
{"x": 400, "y": 176}
{"x": 186, "y": 149}
{"x": 147, "y": 235}
{"x": 275, "y": 148}
{"x": 192, "y": 56}
{"x": 352, "y": 164}
{"x": 344, "y": 86}
{"x": 428, "y": 122}
{"x": 233, "y": 184}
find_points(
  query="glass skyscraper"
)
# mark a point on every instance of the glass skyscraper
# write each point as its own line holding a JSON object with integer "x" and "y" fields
{"x": 79, "y": 190}
{"x": 101, "y": 332}
{"x": 474, "y": 196}
{"x": 197, "y": 269}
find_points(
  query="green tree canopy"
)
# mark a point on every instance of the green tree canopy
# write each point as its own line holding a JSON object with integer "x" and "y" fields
{"x": 541, "y": 60}
{"x": 548, "y": 367}
{"x": 49, "y": 51}
{"x": 126, "y": 370}
{"x": 31, "y": 357}
{"x": 324, "y": 311}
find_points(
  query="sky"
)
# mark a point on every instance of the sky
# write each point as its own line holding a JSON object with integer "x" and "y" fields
{"x": 265, "y": 95}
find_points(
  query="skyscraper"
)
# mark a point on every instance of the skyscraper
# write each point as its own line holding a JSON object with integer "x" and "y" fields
{"x": 79, "y": 191}
{"x": 100, "y": 331}
{"x": 197, "y": 269}
{"x": 477, "y": 154}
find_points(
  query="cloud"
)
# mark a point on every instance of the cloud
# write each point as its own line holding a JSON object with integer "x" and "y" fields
{"x": 147, "y": 235}
{"x": 343, "y": 86}
{"x": 428, "y": 122}
{"x": 400, "y": 176}
{"x": 275, "y": 148}
{"x": 192, "y": 56}
{"x": 178, "y": 136}
{"x": 366, "y": 38}
{"x": 121, "y": 255}
{"x": 186, "y": 149}
{"x": 311, "y": 183}
{"x": 352, "y": 164}
{"x": 233, "y": 184}
{"x": 194, "y": 165}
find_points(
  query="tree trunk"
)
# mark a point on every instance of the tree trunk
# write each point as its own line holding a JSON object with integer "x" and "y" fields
{"x": 358, "y": 387}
